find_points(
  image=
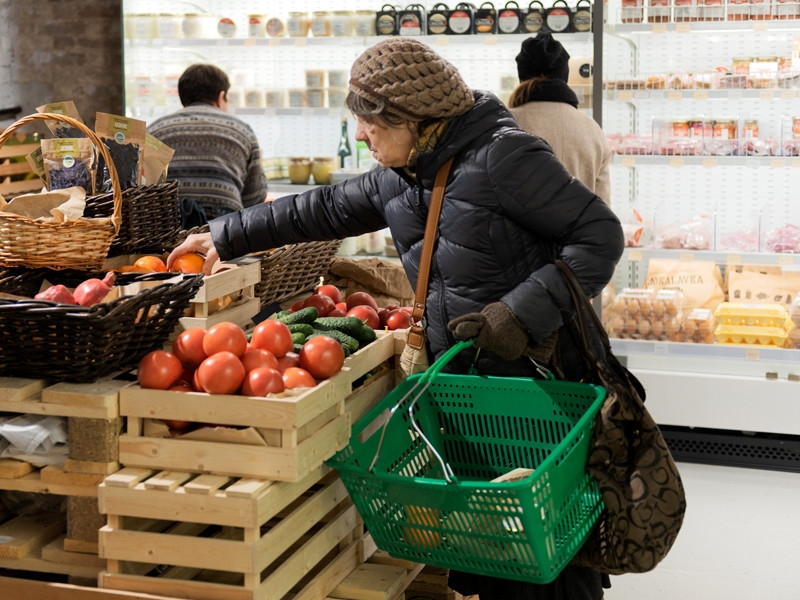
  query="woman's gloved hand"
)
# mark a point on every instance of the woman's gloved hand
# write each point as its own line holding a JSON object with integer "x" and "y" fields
{"x": 495, "y": 329}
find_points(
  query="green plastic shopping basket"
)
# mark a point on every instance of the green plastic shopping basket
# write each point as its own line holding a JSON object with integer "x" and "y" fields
{"x": 419, "y": 467}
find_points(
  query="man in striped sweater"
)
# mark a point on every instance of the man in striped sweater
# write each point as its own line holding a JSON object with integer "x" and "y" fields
{"x": 217, "y": 157}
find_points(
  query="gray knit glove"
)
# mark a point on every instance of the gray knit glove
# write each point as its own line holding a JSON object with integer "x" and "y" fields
{"x": 495, "y": 329}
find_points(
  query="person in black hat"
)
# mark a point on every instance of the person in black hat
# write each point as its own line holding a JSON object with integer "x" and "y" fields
{"x": 544, "y": 105}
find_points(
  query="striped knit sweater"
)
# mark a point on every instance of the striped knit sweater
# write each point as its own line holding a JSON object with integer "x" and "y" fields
{"x": 217, "y": 158}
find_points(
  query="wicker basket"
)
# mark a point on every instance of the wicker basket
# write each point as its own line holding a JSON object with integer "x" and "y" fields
{"x": 293, "y": 269}
{"x": 151, "y": 217}
{"x": 63, "y": 342}
{"x": 76, "y": 244}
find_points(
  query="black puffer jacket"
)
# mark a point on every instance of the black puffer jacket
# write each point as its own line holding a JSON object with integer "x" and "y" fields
{"x": 510, "y": 207}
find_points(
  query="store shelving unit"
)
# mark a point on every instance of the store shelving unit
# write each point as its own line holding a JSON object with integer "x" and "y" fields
{"x": 693, "y": 385}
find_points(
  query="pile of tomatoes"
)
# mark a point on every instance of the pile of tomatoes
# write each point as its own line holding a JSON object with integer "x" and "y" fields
{"x": 221, "y": 360}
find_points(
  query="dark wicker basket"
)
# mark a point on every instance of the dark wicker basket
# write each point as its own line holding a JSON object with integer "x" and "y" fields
{"x": 62, "y": 342}
{"x": 151, "y": 217}
{"x": 293, "y": 269}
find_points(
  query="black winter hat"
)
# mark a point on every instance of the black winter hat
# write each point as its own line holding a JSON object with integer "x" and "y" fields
{"x": 542, "y": 56}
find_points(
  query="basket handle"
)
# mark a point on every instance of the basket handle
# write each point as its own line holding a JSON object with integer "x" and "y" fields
{"x": 422, "y": 383}
{"x": 116, "y": 216}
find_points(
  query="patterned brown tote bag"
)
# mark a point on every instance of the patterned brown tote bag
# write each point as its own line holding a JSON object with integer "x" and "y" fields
{"x": 638, "y": 479}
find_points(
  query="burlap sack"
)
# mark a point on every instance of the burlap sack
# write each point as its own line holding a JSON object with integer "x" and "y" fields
{"x": 384, "y": 281}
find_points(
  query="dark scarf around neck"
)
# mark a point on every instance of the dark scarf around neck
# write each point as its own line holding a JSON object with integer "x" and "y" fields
{"x": 552, "y": 90}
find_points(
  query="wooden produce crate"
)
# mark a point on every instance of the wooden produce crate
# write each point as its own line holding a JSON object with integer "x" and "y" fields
{"x": 216, "y": 537}
{"x": 65, "y": 544}
{"x": 286, "y": 436}
{"x": 227, "y": 295}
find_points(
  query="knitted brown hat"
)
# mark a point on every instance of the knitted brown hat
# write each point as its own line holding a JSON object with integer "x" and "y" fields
{"x": 410, "y": 80}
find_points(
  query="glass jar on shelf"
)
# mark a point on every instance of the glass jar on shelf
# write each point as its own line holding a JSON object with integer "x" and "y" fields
{"x": 321, "y": 23}
{"x": 342, "y": 23}
{"x": 169, "y": 26}
{"x": 364, "y": 23}
{"x": 298, "y": 24}
{"x": 321, "y": 167}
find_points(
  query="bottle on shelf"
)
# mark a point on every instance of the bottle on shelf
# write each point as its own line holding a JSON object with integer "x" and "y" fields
{"x": 364, "y": 160}
{"x": 343, "y": 151}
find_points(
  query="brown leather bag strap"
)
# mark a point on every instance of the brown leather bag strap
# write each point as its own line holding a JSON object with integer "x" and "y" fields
{"x": 416, "y": 335}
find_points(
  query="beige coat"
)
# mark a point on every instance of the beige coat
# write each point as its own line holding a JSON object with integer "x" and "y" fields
{"x": 577, "y": 140}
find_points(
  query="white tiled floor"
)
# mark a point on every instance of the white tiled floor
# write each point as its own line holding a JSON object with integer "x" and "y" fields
{"x": 740, "y": 540}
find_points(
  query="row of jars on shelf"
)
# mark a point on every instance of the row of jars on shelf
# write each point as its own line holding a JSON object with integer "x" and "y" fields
{"x": 465, "y": 19}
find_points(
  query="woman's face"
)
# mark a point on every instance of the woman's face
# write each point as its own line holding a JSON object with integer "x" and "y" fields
{"x": 390, "y": 144}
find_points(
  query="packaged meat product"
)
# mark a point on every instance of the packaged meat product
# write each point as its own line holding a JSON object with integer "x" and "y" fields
{"x": 783, "y": 239}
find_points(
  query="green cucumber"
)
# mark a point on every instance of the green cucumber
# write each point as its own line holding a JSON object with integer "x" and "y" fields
{"x": 345, "y": 340}
{"x": 304, "y": 315}
{"x": 348, "y": 325}
{"x": 303, "y": 328}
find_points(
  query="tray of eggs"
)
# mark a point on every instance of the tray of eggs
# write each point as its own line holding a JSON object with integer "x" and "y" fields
{"x": 646, "y": 314}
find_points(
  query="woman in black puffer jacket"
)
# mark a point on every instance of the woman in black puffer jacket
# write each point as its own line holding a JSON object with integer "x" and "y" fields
{"x": 509, "y": 209}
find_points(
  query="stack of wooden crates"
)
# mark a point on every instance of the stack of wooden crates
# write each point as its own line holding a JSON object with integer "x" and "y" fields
{"x": 257, "y": 516}
{"x": 46, "y": 543}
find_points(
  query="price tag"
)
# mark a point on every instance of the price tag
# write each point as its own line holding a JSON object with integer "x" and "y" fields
{"x": 674, "y": 95}
{"x": 785, "y": 260}
{"x": 626, "y": 96}
{"x": 752, "y": 354}
{"x": 273, "y": 42}
{"x": 760, "y": 26}
{"x": 795, "y": 162}
{"x": 677, "y": 161}
{"x": 777, "y": 163}
{"x": 788, "y": 94}
{"x": 635, "y": 255}
{"x": 687, "y": 256}
{"x": 442, "y": 40}
{"x": 298, "y": 41}
{"x": 710, "y": 162}
{"x": 701, "y": 95}
{"x": 734, "y": 259}
{"x": 628, "y": 161}
{"x": 766, "y": 95}
{"x": 659, "y": 28}
{"x": 683, "y": 27}
{"x": 490, "y": 40}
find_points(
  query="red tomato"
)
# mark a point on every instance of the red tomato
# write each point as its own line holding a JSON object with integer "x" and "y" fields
{"x": 295, "y": 377}
{"x": 181, "y": 386}
{"x": 398, "y": 319}
{"x": 360, "y": 298}
{"x": 177, "y": 425}
{"x": 342, "y": 306}
{"x": 274, "y": 336}
{"x": 330, "y": 290}
{"x": 391, "y": 307}
{"x": 321, "y": 302}
{"x": 188, "y": 347}
{"x": 225, "y": 336}
{"x": 322, "y": 356}
{"x": 258, "y": 357}
{"x": 367, "y": 314}
{"x": 382, "y": 314}
{"x": 262, "y": 381}
{"x": 338, "y": 312}
{"x": 407, "y": 309}
{"x": 221, "y": 373}
{"x": 159, "y": 370}
{"x": 290, "y": 359}
{"x": 297, "y": 306}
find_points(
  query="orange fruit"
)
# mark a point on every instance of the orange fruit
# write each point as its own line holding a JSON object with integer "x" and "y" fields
{"x": 150, "y": 264}
{"x": 189, "y": 263}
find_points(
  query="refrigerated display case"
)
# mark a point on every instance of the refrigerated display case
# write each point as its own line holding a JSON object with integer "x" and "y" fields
{"x": 699, "y": 104}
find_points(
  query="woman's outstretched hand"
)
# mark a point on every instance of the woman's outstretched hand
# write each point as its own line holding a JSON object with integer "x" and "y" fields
{"x": 200, "y": 243}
